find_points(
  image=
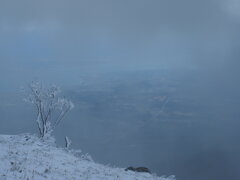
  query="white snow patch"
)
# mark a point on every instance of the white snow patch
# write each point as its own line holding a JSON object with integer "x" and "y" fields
{"x": 26, "y": 157}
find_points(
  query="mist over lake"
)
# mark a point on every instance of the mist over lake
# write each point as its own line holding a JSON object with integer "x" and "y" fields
{"x": 154, "y": 83}
{"x": 161, "y": 119}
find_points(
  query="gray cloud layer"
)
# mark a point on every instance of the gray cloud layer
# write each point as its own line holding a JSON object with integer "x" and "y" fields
{"x": 110, "y": 34}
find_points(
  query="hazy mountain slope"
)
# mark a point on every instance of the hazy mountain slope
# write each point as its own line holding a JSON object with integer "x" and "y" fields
{"x": 27, "y": 157}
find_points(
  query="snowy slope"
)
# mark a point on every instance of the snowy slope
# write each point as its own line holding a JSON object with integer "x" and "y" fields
{"x": 27, "y": 157}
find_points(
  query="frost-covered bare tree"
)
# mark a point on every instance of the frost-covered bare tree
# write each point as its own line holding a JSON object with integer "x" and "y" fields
{"x": 51, "y": 109}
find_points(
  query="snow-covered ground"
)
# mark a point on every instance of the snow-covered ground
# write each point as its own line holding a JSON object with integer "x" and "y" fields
{"x": 26, "y": 157}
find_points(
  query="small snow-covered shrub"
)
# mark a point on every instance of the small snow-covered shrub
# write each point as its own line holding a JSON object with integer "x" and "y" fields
{"x": 87, "y": 157}
{"x": 68, "y": 142}
{"x": 79, "y": 154}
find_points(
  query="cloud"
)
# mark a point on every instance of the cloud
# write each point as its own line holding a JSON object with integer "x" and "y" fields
{"x": 231, "y": 7}
{"x": 123, "y": 33}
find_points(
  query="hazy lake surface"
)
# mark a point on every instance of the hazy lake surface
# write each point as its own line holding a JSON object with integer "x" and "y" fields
{"x": 173, "y": 122}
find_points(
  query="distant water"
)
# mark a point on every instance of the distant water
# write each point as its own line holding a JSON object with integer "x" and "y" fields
{"x": 173, "y": 123}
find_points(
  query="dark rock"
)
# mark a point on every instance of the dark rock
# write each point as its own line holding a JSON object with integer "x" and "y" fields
{"x": 130, "y": 169}
{"x": 138, "y": 169}
{"x": 142, "y": 169}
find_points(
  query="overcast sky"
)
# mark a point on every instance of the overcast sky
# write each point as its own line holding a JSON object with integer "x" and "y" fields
{"x": 60, "y": 38}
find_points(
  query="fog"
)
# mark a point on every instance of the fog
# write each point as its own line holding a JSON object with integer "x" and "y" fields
{"x": 155, "y": 83}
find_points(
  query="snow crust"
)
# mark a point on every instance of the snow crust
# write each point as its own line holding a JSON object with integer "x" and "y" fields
{"x": 26, "y": 157}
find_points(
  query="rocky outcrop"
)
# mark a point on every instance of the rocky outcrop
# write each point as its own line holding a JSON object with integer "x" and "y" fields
{"x": 138, "y": 169}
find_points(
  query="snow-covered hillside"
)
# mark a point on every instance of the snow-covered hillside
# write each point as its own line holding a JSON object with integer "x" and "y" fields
{"x": 26, "y": 157}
